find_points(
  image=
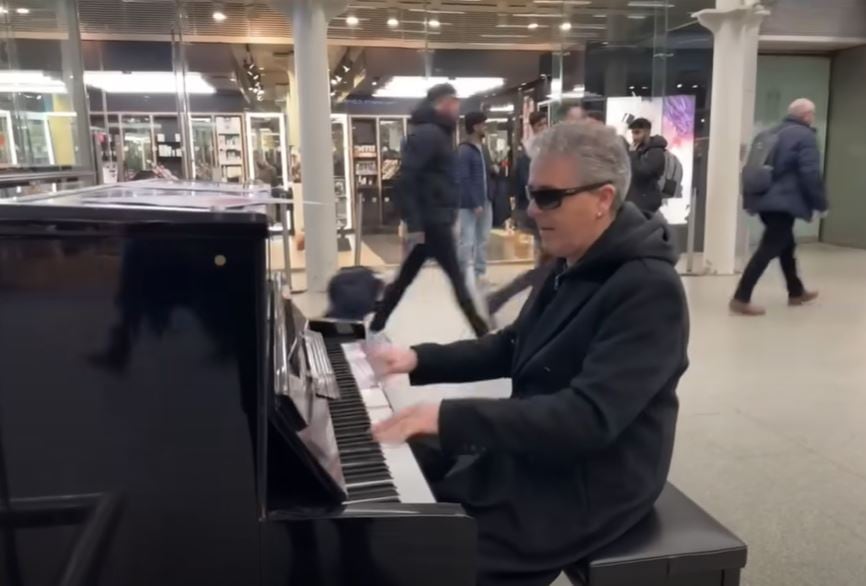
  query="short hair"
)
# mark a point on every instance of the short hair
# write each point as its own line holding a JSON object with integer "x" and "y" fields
{"x": 441, "y": 90}
{"x": 800, "y": 107}
{"x": 596, "y": 115}
{"x": 640, "y": 124}
{"x": 473, "y": 118}
{"x": 536, "y": 117}
{"x": 598, "y": 153}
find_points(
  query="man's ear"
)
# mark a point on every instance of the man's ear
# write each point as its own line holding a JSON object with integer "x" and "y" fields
{"x": 606, "y": 198}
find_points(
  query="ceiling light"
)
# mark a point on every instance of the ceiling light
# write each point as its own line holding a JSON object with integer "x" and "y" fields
{"x": 636, "y": 16}
{"x": 649, "y": 4}
{"x": 393, "y": 22}
{"x": 219, "y": 15}
{"x": 334, "y": 82}
{"x": 679, "y": 86}
{"x": 22, "y": 10}
{"x": 502, "y": 108}
{"x": 146, "y": 82}
{"x": 566, "y": 2}
{"x": 32, "y": 82}
{"x": 434, "y": 23}
{"x": 599, "y": 15}
{"x": 4, "y": 10}
{"x": 532, "y": 26}
{"x": 352, "y": 20}
{"x": 408, "y": 86}
{"x": 565, "y": 26}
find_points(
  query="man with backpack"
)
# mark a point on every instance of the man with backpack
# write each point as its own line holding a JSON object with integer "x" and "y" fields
{"x": 647, "y": 153}
{"x": 781, "y": 182}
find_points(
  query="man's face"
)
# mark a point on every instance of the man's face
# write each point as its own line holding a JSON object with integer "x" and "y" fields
{"x": 810, "y": 118}
{"x": 574, "y": 114}
{"x": 639, "y": 135}
{"x": 539, "y": 127}
{"x": 449, "y": 107}
{"x": 572, "y": 227}
{"x": 480, "y": 130}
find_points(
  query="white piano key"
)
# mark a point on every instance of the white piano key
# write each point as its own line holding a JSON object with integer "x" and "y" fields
{"x": 410, "y": 482}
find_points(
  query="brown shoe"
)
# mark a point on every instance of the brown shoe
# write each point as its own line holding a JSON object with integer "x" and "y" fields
{"x": 803, "y": 299}
{"x": 743, "y": 308}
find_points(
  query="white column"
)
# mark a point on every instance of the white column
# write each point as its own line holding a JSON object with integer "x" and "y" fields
{"x": 734, "y": 24}
{"x": 310, "y": 26}
{"x": 293, "y": 110}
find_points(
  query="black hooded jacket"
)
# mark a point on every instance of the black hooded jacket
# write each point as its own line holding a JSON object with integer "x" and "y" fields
{"x": 581, "y": 450}
{"x": 427, "y": 188}
{"x": 647, "y": 168}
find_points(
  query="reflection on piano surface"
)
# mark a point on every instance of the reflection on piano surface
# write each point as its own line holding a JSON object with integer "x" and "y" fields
{"x": 145, "y": 353}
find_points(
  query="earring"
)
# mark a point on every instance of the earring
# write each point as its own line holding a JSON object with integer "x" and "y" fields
{"x": 598, "y": 215}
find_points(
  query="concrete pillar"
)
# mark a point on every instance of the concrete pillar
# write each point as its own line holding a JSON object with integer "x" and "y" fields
{"x": 735, "y": 25}
{"x": 310, "y": 26}
{"x": 293, "y": 111}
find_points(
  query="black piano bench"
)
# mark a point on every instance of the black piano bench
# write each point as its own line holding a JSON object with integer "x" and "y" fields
{"x": 678, "y": 544}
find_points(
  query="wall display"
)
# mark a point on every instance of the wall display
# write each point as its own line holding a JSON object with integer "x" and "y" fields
{"x": 674, "y": 118}
{"x": 8, "y": 156}
{"x": 204, "y": 153}
{"x": 137, "y": 139}
{"x": 106, "y": 138}
{"x": 230, "y": 148}
{"x": 392, "y": 132}
{"x": 365, "y": 171}
{"x": 342, "y": 184}
{"x": 169, "y": 152}
{"x": 267, "y": 155}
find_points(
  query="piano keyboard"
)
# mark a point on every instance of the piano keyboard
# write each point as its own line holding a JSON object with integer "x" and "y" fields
{"x": 373, "y": 473}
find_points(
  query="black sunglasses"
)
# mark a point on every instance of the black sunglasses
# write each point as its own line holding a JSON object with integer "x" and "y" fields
{"x": 550, "y": 199}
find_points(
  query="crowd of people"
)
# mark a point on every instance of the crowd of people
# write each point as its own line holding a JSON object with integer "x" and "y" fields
{"x": 581, "y": 450}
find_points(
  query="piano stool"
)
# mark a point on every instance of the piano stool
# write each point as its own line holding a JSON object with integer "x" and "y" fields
{"x": 678, "y": 544}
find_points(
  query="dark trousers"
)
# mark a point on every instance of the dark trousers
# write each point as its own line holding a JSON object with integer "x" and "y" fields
{"x": 436, "y": 465}
{"x": 439, "y": 245}
{"x": 777, "y": 242}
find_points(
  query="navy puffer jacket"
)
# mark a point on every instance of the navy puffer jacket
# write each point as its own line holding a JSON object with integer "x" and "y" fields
{"x": 798, "y": 188}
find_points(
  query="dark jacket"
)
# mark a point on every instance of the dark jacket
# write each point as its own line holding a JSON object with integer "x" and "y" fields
{"x": 521, "y": 180}
{"x": 797, "y": 188}
{"x": 581, "y": 450}
{"x": 647, "y": 167}
{"x": 473, "y": 175}
{"x": 427, "y": 186}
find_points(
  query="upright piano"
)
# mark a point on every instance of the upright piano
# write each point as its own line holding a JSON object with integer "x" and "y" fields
{"x": 168, "y": 417}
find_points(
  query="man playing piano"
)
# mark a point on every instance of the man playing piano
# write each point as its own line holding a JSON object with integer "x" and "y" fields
{"x": 581, "y": 450}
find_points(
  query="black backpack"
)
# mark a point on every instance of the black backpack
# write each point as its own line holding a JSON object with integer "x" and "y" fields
{"x": 757, "y": 174}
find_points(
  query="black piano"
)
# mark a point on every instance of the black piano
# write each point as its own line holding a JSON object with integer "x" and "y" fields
{"x": 168, "y": 417}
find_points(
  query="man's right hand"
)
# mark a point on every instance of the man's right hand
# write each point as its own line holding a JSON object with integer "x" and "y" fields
{"x": 393, "y": 360}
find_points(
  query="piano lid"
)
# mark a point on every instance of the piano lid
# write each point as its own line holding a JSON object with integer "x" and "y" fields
{"x": 153, "y": 200}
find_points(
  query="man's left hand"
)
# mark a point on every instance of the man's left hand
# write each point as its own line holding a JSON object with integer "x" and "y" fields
{"x": 420, "y": 419}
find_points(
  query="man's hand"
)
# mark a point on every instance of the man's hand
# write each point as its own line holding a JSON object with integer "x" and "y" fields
{"x": 393, "y": 360}
{"x": 478, "y": 212}
{"x": 420, "y": 419}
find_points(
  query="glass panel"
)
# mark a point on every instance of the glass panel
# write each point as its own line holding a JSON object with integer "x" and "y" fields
{"x": 365, "y": 157}
{"x": 266, "y": 135}
{"x": 391, "y": 134}
{"x": 230, "y": 148}
{"x": 138, "y": 156}
{"x": 341, "y": 181}
{"x": 107, "y": 143}
{"x": 204, "y": 153}
{"x": 169, "y": 144}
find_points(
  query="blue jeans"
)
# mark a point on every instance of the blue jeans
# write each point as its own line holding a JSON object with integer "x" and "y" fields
{"x": 473, "y": 232}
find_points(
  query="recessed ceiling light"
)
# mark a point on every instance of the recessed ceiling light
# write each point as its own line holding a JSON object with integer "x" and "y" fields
{"x": 4, "y": 10}
{"x": 434, "y": 22}
{"x": 532, "y": 26}
{"x": 352, "y": 20}
{"x": 22, "y": 10}
{"x": 393, "y": 22}
{"x": 565, "y": 26}
{"x": 637, "y": 16}
{"x": 219, "y": 15}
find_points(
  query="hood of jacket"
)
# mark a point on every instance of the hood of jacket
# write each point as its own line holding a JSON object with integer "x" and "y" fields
{"x": 425, "y": 113}
{"x": 655, "y": 142}
{"x": 633, "y": 235}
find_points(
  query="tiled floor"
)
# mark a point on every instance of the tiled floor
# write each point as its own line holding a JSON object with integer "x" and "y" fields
{"x": 772, "y": 432}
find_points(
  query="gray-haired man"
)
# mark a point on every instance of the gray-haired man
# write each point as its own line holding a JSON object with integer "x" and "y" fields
{"x": 581, "y": 450}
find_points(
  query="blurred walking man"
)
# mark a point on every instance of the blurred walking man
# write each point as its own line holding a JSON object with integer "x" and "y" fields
{"x": 475, "y": 216}
{"x": 796, "y": 190}
{"x": 428, "y": 195}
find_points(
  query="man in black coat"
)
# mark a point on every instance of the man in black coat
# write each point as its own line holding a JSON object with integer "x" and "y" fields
{"x": 428, "y": 196}
{"x": 797, "y": 191}
{"x": 581, "y": 450}
{"x": 647, "y": 155}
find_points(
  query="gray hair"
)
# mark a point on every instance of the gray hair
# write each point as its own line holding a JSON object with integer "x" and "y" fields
{"x": 800, "y": 107}
{"x": 599, "y": 153}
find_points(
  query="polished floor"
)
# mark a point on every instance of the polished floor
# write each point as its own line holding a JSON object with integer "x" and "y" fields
{"x": 772, "y": 432}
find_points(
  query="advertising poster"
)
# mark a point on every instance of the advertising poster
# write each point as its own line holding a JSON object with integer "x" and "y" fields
{"x": 674, "y": 118}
